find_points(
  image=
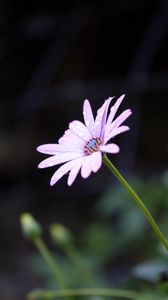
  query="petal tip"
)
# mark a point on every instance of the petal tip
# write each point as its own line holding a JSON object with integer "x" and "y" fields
{"x": 86, "y": 101}
{"x": 38, "y": 148}
{"x": 52, "y": 182}
{"x": 69, "y": 183}
{"x": 129, "y": 112}
{"x": 110, "y": 98}
{"x": 117, "y": 150}
{"x": 84, "y": 175}
{"x": 40, "y": 166}
{"x": 121, "y": 97}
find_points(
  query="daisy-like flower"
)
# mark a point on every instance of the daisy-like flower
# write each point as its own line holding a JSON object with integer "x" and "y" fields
{"x": 82, "y": 145}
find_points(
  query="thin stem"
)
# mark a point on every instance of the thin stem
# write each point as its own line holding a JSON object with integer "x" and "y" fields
{"x": 75, "y": 256}
{"x": 47, "y": 256}
{"x": 125, "y": 294}
{"x": 136, "y": 198}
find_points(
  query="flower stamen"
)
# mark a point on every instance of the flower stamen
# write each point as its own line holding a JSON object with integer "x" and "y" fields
{"x": 92, "y": 146}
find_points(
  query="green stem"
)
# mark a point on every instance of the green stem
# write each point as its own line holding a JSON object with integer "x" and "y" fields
{"x": 125, "y": 294}
{"x": 75, "y": 256}
{"x": 136, "y": 198}
{"x": 47, "y": 256}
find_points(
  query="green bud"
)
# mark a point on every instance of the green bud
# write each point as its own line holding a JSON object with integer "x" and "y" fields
{"x": 30, "y": 227}
{"x": 60, "y": 234}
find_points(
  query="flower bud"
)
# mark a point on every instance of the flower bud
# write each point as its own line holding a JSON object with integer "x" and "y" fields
{"x": 60, "y": 234}
{"x": 30, "y": 227}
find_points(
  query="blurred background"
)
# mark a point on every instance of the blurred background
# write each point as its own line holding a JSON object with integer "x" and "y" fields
{"x": 53, "y": 55}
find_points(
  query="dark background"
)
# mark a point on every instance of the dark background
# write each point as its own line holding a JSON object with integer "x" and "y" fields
{"x": 53, "y": 55}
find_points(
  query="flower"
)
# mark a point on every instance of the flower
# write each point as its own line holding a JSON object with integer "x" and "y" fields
{"x": 82, "y": 145}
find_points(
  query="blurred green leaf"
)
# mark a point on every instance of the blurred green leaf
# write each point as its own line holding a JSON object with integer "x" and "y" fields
{"x": 120, "y": 235}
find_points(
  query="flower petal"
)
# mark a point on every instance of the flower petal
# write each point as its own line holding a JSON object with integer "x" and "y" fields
{"x": 80, "y": 130}
{"x": 64, "y": 169}
{"x": 58, "y": 159}
{"x": 56, "y": 148}
{"x": 100, "y": 120}
{"x": 95, "y": 161}
{"x": 114, "y": 109}
{"x": 110, "y": 148}
{"x": 74, "y": 171}
{"x": 115, "y": 132}
{"x": 71, "y": 146}
{"x": 88, "y": 117}
{"x": 86, "y": 170}
{"x": 121, "y": 118}
{"x": 71, "y": 139}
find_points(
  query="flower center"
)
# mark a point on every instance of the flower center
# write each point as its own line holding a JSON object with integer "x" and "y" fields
{"x": 92, "y": 145}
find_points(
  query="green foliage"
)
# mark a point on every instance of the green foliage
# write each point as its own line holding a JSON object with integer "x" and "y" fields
{"x": 119, "y": 235}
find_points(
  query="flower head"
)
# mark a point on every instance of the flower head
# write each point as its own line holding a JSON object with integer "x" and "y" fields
{"x": 82, "y": 145}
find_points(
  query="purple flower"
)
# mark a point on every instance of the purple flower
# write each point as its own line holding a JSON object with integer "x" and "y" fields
{"x": 82, "y": 145}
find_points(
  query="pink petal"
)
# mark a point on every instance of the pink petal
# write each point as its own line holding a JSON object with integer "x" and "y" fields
{"x": 114, "y": 132}
{"x": 86, "y": 170}
{"x": 121, "y": 118}
{"x": 64, "y": 169}
{"x": 100, "y": 120}
{"x": 71, "y": 139}
{"x": 88, "y": 117}
{"x": 80, "y": 130}
{"x": 95, "y": 161}
{"x": 114, "y": 109}
{"x": 74, "y": 171}
{"x": 58, "y": 159}
{"x": 56, "y": 148}
{"x": 110, "y": 148}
